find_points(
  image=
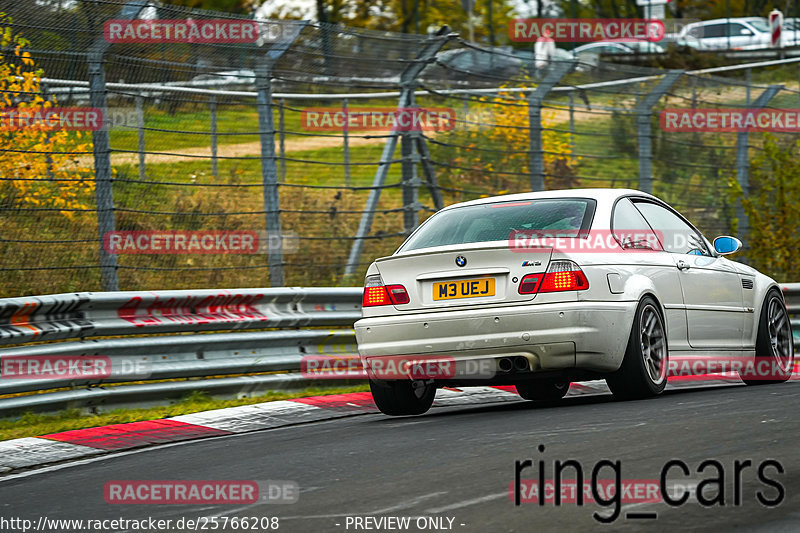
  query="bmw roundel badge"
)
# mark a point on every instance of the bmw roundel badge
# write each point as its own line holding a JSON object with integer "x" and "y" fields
{"x": 461, "y": 261}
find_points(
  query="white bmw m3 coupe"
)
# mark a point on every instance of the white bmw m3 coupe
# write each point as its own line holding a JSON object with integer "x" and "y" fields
{"x": 541, "y": 289}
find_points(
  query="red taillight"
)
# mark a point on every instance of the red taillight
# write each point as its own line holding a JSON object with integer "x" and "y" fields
{"x": 398, "y": 294}
{"x": 376, "y": 293}
{"x": 529, "y": 283}
{"x": 375, "y": 296}
{"x": 563, "y": 276}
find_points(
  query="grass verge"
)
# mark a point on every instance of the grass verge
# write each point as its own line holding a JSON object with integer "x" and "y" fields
{"x": 33, "y": 424}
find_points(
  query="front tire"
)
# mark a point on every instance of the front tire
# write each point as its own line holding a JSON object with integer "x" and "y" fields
{"x": 402, "y": 397}
{"x": 543, "y": 390}
{"x": 643, "y": 372}
{"x": 774, "y": 342}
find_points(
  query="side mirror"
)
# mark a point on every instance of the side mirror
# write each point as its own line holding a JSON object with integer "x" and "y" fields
{"x": 727, "y": 245}
{"x": 745, "y": 31}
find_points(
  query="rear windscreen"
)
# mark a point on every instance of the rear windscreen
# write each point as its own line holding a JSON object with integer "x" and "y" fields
{"x": 497, "y": 221}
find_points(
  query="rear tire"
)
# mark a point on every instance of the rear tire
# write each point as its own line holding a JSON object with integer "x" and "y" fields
{"x": 643, "y": 373}
{"x": 401, "y": 398}
{"x": 543, "y": 390}
{"x": 774, "y": 340}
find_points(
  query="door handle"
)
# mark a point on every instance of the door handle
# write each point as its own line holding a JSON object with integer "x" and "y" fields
{"x": 683, "y": 265}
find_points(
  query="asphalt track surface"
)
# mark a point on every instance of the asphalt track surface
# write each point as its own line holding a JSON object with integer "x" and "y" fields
{"x": 459, "y": 462}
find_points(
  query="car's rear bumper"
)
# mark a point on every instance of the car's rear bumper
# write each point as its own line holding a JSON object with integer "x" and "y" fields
{"x": 585, "y": 335}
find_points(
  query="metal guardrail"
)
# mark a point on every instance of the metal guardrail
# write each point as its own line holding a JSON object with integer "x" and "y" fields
{"x": 193, "y": 354}
{"x": 791, "y": 293}
{"x": 86, "y": 314}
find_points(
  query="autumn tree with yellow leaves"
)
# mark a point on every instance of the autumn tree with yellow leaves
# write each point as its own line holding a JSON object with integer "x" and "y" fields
{"x": 489, "y": 149}
{"x": 39, "y": 166}
{"x": 772, "y": 206}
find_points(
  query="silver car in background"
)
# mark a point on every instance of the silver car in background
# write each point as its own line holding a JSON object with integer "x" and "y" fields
{"x": 745, "y": 33}
{"x": 541, "y": 289}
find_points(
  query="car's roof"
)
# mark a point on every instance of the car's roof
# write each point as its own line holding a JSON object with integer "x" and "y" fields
{"x": 601, "y": 195}
{"x": 596, "y": 44}
{"x": 732, "y": 19}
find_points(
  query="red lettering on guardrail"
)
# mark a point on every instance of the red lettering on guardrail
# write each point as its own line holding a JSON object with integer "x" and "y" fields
{"x": 220, "y": 308}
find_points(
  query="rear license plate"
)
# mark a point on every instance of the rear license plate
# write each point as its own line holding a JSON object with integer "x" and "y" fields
{"x": 467, "y": 288}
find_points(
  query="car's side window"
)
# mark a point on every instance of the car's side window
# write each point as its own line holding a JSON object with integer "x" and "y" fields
{"x": 735, "y": 30}
{"x": 676, "y": 235}
{"x": 631, "y": 229}
{"x": 715, "y": 30}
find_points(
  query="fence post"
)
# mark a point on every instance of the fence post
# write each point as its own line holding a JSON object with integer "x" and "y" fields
{"x": 282, "y": 138}
{"x": 140, "y": 133}
{"x": 269, "y": 169}
{"x": 748, "y": 75}
{"x": 269, "y": 174}
{"x": 425, "y": 158}
{"x": 48, "y": 159}
{"x": 101, "y": 149}
{"x": 572, "y": 123}
{"x": 408, "y": 149}
{"x": 212, "y": 107}
{"x": 644, "y": 132}
{"x": 407, "y": 84}
{"x": 742, "y": 159}
{"x": 535, "y": 98}
{"x": 346, "y": 140}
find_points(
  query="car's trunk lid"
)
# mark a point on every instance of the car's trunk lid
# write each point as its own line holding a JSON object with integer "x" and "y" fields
{"x": 469, "y": 275}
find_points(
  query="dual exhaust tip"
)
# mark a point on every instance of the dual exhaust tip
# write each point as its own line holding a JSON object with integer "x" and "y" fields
{"x": 513, "y": 364}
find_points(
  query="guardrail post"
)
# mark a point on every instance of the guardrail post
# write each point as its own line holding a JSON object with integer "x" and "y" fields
{"x": 743, "y": 159}
{"x": 644, "y": 132}
{"x": 212, "y": 108}
{"x": 140, "y": 134}
{"x": 101, "y": 149}
{"x": 535, "y": 98}
{"x": 407, "y": 84}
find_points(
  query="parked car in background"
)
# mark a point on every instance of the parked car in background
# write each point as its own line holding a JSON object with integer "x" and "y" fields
{"x": 791, "y": 32}
{"x": 489, "y": 63}
{"x": 241, "y": 77}
{"x": 529, "y": 57}
{"x": 611, "y": 48}
{"x": 747, "y": 33}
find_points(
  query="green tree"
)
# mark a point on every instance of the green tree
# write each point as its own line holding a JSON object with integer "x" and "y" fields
{"x": 773, "y": 209}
